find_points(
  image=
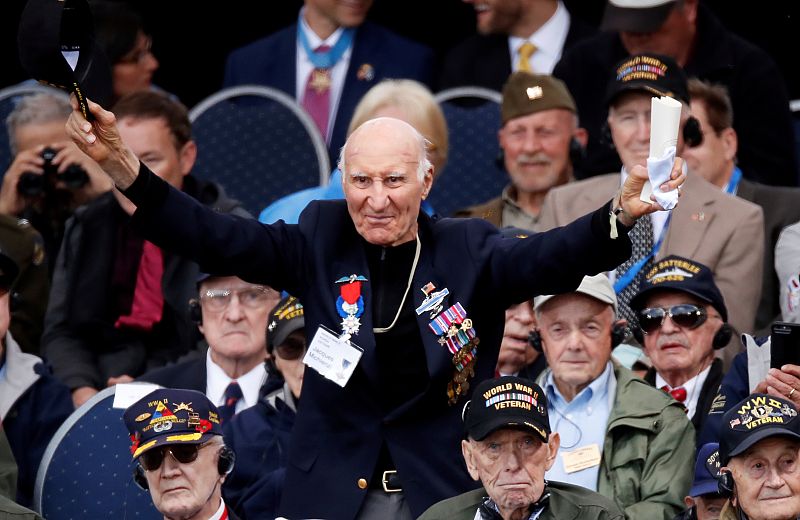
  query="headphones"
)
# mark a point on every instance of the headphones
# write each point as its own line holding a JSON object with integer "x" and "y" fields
{"x": 225, "y": 464}
{"x": 726, "y": 484}
{"x": 721, "y": 338}
{"x": 577, "y": 153}
{"x": 195, "y": 312}
{"x": 692, "y": 133}
{"x": 618, "y": 333}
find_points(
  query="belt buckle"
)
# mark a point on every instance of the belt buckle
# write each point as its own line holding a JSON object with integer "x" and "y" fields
{"x": 385, "y": 482}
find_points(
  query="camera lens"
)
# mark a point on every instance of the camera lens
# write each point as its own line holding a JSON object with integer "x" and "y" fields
{"x": 30, "y": 184}
{"x": 74, "y": 177}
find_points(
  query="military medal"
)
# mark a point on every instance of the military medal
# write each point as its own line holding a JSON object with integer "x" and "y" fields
{"x": 433, "y": 300}
{"x": 456, "y": 332}
{"x": 320, "y": 80}
{"x": 350, "y": 303}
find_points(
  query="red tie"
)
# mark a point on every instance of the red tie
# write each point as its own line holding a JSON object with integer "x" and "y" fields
{"x": 317, "y": 95}
{"x": 679, "y": 394}
{"x": 148, "y": 298}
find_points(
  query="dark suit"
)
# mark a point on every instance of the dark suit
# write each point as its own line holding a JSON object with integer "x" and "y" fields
{"x": 272, "y": 61}
{"x": 485, "y": 61}
{"x": 340, "y": 432}
{"x": 189, "y": 375}
{"x": 781, "y": 208}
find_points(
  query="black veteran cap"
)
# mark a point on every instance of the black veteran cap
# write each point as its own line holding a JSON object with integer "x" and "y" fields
{"x": 170, "y": 416}
{"x": 57, "y": 47}
{"x": 525, "y": 93}
{"x": 287, "y": 317}
{"x": 758, "y": 417}
{"x": 681, "y": 274}
{"x": 507, "y": 402}
{"x": 654, "y": 73}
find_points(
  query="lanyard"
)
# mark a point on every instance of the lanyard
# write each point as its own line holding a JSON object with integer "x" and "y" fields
{"x": 733, "y": 184}
{"x": 325, "y": 60}
{"x": 626, "y": 279}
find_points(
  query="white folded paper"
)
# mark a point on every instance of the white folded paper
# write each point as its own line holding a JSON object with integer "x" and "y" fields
{"x": 665, "y": 121}
{"x": 758, "y": 359}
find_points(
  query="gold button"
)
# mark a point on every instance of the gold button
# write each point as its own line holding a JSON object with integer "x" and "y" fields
{"x": 362, "y": 483}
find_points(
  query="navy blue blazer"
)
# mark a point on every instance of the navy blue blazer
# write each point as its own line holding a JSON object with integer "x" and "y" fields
{"x": 339, "y": 432}
{"x": 272, "y": 61}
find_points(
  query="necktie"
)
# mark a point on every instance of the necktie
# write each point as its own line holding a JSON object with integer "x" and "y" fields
{"x": 526, "y": 50}
{"x": 641, "y": 244}
{"x": 317, "y": 95}
{"x": 148, "y": 298}
{"x": 232, "y": 395}
{"x": 679, "y": 394}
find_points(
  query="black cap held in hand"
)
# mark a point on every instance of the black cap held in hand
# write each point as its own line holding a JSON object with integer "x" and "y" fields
{"x": 48, "y": 30}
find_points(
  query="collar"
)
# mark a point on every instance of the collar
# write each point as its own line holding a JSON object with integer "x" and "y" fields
{"x": 217, "y": 381}
{"x": 693, "y": 388}
{"x": 20, "y": 374}
{"x": 596, "y": 390}
{"x": 488, "y": 510}
{"x": 550, "y": 37}
{"x": 221, "y": 513}
{"x": 509, "y": 195}
{"x": 315, "y": 41}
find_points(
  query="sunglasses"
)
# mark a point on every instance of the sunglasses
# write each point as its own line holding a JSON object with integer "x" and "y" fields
{"x": 184, "y": 453}
{"x": 686, "y": 316}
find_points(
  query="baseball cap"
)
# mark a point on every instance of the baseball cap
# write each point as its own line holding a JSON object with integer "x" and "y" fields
{"x": 507, "y": 402}
{"x": 51, "y": 32}
{"x": 525, "y": 93}
{"x": 170, "y": 416}
{"x": 597, "y": 286}
{"x": 681, "y": 274}
{"x": 656, "y": 74}
{"x": 635, "y": 15}
{"x": 287, "y": 317}
{"x": 757, "y": 417}
{"x": 706, "y": 471}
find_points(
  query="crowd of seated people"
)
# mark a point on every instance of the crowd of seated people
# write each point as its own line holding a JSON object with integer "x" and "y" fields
{"x": 600, "y": 364}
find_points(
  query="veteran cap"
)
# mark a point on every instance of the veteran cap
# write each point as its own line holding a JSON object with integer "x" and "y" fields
{"x": 635, "y": 15}
{"x": 757, "y": 417}
{"x": 507, "y": 402}
{"x": 170, "y": 416}
{"x": 57, "y": 47}
{"x": 597, "y": 286}
{"x": 681, "y": 274}
{"x": 525, "y": 93}
{"x": 706, "y": 471}
{"x": 653, "y": 73}
{"x": 287, "y": 317}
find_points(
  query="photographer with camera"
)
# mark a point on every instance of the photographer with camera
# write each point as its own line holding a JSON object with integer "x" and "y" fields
{"x": 49, "y": 176}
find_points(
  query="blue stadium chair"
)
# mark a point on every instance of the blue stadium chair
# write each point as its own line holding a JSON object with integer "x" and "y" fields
{"x": 86, "y": 471}
{"x": 9, "y": 97}
{"x": 259, "y": 144}
{"x": 471, "y": 175}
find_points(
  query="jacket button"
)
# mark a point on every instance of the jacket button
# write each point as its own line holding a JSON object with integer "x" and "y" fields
{"x": 362, "y": 483}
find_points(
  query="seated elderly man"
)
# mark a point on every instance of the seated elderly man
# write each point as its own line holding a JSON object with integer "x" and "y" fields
{"x": 180, "y": 455}
{"x": 704, "y": 501}
{"x": 682, "y": 320}
{"x": 758, "y": 448}
{"x": 620, "y": 437}
{"x": 509, "y": 446}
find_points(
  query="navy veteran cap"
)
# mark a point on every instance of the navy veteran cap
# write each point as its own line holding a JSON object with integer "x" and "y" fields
{"x": 706, "y": 471}
{"x": 757, "y": 417}
{"x": 652, "y": 73}
{"x": 57, "y": 47}
{"x": 681, "y": 274}
{"x": 507, "y": 402}
{"x": 171, "y": 416}
{"x": 287, "y": 317}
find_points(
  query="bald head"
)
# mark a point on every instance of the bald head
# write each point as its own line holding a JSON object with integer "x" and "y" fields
{"x": 387, "y": 128}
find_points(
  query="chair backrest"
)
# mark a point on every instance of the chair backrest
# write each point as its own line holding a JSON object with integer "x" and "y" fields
{"x": 9, "y": 97}
{"x": 471, "y": 175}
{"x": 259, "y": 144}
{"x": 86, "y": 471}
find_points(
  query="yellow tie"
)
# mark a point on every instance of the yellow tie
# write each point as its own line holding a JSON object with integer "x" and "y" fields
{"x": 526, "y": 50}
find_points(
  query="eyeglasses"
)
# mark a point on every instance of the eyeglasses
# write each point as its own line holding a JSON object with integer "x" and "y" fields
{"x": 184, "y": 453}
{"x": 255, "y": 297}
{"x": 686, "y": 316}
{"x": 291, "y": 348}
{"x": 138, "y": 54}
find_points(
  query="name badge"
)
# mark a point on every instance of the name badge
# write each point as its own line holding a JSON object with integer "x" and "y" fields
{"x": 334, "y": 357}
{"x": 582, "y": 458}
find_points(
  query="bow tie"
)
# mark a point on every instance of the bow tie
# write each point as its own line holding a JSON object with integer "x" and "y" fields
{"x": 679, "y": 394}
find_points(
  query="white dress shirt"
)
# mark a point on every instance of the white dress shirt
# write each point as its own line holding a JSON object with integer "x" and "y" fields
{"x": 693, "y": 388}
{"x": 549, "y": 41}
{"x": 217, "y": 381}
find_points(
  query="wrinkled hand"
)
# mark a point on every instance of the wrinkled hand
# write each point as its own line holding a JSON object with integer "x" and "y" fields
{"x": 82, "y": 394}
{"x": 781, "y": 383}
{"x": 629, "y": 194}
{"x": 100, "y": 140}
{"x": 11, "y": 202}
{"x": 124, "y": 378}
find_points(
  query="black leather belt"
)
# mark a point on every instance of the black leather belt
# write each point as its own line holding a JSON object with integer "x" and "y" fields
{"x": 388, "y": 482}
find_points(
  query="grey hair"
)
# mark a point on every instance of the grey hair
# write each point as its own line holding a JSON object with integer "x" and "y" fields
{"x": 36, "y": 109}
{"x": 423, "y": 163}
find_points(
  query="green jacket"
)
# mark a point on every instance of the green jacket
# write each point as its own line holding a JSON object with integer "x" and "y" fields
{"x": 648, "y": 454}
{"x": 567, "y": 502}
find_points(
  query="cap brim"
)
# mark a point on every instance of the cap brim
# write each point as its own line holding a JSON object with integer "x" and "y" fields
{"x": 175, "y": 438}
{"x": 706, "y": 487}
{"x": 763, "y": 434}
{"x": 636, "y": 86}
{"x": 484, "y": 429}
{"x": 631, "y": 19}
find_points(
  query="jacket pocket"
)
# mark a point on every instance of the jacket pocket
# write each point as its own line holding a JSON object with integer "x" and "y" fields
{"x": 626, "y": 466}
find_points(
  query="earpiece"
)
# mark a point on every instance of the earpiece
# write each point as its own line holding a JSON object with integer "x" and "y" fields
{"x": 195, "y": 312}
{"x": 140, "y": 478}
{"x": 618, "y": 333}
{"x": 535, "y": 340}
{"x": 726, "y": 484}
{"x": 638, "y": 335}
{"x": 500, "y": 161}
{"x": 605, "y": 136}
{"x": 692, "y": 133}
{"x": 577, "y": 153}
{"x": 723, "y": 336}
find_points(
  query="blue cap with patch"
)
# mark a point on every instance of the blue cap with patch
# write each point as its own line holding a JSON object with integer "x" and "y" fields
{"x": 706, "y": 471}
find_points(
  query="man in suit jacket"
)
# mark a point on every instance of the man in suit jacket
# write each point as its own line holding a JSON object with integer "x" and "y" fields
{"x": 488, "y": 58}
{"x": 232, "y": 315}
{"x": 723, "y": 232}
{"x": 715, "y": 160}
{"x": 374, "y": 53}
{"x": 360, "y": 437}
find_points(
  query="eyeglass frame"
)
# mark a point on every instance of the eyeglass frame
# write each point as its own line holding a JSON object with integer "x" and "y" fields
{"x": 226, "y": 295}
{"x": 163, "y": 449}
{"x": 702, "y": 316}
